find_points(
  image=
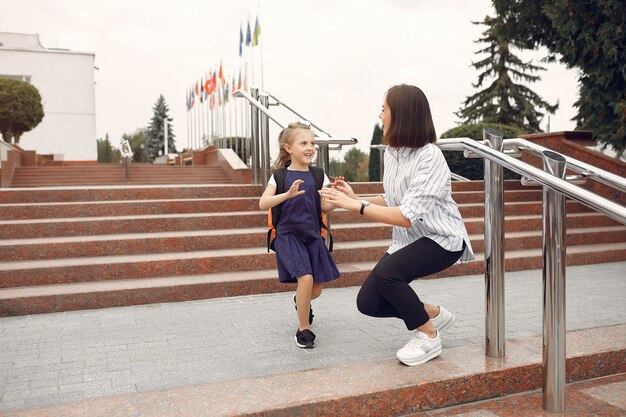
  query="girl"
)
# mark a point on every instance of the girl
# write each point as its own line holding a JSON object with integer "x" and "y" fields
{"x": 301, "y": 254}
{"x": 428, "y": 232}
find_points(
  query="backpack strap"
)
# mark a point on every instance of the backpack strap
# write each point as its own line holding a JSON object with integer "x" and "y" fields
{"x": 274, "y": 212}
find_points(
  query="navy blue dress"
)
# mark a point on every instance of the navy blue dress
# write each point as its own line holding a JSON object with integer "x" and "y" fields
{"x": 300, "y": 248}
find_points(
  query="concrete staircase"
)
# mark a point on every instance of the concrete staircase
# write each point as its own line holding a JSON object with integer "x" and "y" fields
{"x": 114, "y": 174}
{"x": 94, "y": 247}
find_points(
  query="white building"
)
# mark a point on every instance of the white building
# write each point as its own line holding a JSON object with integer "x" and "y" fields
{"x": 65, "y": 80}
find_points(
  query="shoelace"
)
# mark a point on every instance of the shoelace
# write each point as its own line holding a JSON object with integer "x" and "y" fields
{"x": 416, "y": 341}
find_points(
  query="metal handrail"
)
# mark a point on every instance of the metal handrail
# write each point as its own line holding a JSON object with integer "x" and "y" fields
{"x": 331, "y": 140}
{"x": 596, "y": 202}
{"x": 583, "y": 168}
{"x": 285, "y": 105}
{"x": 324, "y": 144}
{"x": 244, "y": 94}
{"x": 555, "y": 189}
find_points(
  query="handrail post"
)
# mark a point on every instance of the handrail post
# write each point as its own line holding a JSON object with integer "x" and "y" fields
{"x": 254, "y": 130}
{"x": 494, "y": 249}
{"x": 264, "y": 123}
{"x": 554, "y": 288}
{"x": 323, "y": 161}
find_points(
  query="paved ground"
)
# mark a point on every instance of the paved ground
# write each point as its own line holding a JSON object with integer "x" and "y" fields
{"x": 54, "y": 358}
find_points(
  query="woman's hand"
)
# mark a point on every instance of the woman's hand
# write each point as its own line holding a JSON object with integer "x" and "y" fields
{"x": 344, "y": 186}
{"x": 337, "y": 198}
{"x": 294, "y": 190}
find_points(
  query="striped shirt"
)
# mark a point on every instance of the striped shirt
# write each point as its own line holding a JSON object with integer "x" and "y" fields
{"x": 418, "y": 182}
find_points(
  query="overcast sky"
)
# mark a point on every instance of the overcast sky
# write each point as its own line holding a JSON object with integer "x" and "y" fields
{"x": 330, "y": 60}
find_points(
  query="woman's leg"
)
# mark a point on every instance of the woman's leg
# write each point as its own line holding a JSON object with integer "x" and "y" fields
{"x": 386, "y": 291}
{"x": 303, "y": 299}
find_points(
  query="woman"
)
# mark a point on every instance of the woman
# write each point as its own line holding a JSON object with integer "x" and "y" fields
{"x": 428, "y": 232}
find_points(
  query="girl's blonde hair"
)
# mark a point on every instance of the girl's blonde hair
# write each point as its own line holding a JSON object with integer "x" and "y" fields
{"x": 285, "y": 137}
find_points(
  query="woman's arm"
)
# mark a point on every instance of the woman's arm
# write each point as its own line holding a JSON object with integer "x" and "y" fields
{"x": 344, "y": 186}
{"x": 377, "y": 211}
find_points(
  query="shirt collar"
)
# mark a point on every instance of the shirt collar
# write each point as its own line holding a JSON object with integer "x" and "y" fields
{"x": 402, "y": 153}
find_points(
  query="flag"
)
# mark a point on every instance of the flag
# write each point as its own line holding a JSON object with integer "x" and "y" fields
{"x": 201, "y": 92}
{"x": 221, "y": 74}
{"x": 239, "y": 81}
{"x": 212, "y": 101}
{"x": 246, "y": 87}
{"x": 226, "y": 90}
{"x": 207, "y": 86}
{"x": 257, "y": 32}
{"x": 248, "y": 35}
{"x": 240, "y": 40}
{"x": 233, "y": 85}
{"x": 196, "y": 89}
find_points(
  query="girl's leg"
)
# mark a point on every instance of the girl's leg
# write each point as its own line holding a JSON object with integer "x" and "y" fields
{"x": 386, "y": 292}
{"x": 303, "y": 299}
{"x": 316, "y": 291}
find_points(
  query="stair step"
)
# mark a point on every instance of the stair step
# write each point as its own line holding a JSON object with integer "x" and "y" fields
{"x": 115, "y": 281}
{"x": 84, "y": 226}
{"x": 181, "y": 241}
{"x": 125, "y": 192}
{"x": 17, "y": 211}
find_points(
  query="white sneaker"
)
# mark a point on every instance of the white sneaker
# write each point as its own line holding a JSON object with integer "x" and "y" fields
{"x": 420, "y": 349}
{"x": 443, "y": 319}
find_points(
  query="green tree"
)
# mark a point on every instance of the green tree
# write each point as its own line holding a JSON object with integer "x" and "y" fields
{"x": 473, "y": 168}
{"x": 374, "y": 165}
{"x": 504, "y": 101}
{"x": 353, "y": 167}
{"x": 138, "y": 142}
{"x": 106, "y": 153}
{"x": 20, "y": 108}
{"x": 156, "y": 137}
{"x": 589, "y": 35}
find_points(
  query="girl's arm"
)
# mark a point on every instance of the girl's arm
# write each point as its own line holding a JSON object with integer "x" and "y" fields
{"x": 270, "y": 199}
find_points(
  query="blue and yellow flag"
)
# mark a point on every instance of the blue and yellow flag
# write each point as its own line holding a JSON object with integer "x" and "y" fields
{"x": 257, "y": 32}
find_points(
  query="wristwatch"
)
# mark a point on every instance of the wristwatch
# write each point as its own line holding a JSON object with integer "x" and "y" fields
{"x": 364, "y": 203}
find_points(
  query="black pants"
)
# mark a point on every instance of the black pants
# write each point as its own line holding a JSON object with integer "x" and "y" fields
{"x": 386, "y": 291}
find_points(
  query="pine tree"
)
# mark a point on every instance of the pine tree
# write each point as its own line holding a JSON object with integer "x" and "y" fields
{"x": 589, "y": 35}
{"x": 156, "y": 138}
{"x": 106, "y": 153}
{"x": 374, "y": 165}
{"x": 504, "y": 101}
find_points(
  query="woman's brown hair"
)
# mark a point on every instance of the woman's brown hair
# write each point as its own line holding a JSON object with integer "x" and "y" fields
{"x": 411, "y": 122}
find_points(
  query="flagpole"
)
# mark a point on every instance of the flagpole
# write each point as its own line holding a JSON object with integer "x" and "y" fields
{"x": 197, "y": 125}
{"x": 251, "y": 55}
{"x": 258, "y": 12}
{"x": 187, "y": 107}
{"x": 207, "y": 102}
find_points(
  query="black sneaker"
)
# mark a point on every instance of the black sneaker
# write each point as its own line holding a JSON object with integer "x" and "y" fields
{"x": 305, "y": 339}
{"x": 310, "y": 309}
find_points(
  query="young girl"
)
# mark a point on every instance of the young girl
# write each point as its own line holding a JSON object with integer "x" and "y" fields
{"x": 301, "y": 253}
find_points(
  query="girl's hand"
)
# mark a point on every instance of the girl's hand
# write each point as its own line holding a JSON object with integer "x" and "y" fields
{"x": 344, "y": 186}
{"x": 294, "y": 190}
